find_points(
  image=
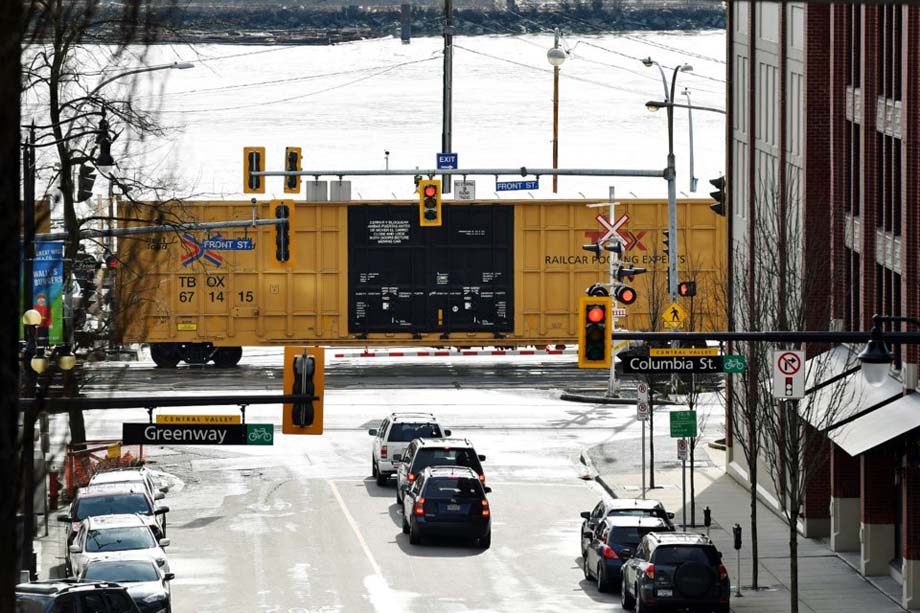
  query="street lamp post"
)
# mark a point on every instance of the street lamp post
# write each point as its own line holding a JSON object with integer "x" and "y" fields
{"x": 693, "y": 179}
{"x": 671, "y": 172}
{"x": 556, "y": 57}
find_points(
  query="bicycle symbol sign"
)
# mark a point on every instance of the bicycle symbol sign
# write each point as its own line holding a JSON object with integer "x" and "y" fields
{"x": 734, "y": 364}
{"x": 260, "y": 434}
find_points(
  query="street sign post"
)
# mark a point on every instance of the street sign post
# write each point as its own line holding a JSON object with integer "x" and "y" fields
{"x": 788, "y": 374}
{"x": 677, "y": 364}
{"x": 683, "y": 423}
{"x": 682, "y": 449}
{"x": 447, "y": 161}
{"x": 643, "y": 413}
{"x": 682, "y": 452}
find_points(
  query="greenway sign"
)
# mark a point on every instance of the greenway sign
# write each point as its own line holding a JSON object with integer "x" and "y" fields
{"x": 197, "y": 434}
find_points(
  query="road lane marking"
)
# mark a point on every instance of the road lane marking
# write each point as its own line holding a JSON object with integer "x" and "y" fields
{"x": 354, "y": 528}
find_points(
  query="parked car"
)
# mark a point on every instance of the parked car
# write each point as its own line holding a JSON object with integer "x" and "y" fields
{"x": 671, "y": 570}
{"x": 424, "y": 452}
{"x": 114, "y": 499}
{"x": 610, "y": 507}
{"x": 612, "y": 543}
{"x": 393, "y": 436}
{"x": 134, "y": 475}
{"x": 68, "y": 596}
{"x": 449, "y": 501}
{"x": 147, "y": 583}
{"x": 113, "y": 537}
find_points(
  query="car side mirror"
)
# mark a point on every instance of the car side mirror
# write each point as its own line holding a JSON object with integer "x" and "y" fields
{"x": 487, "y": 489}
{"x": 586, "y": 514}
{"x": 64, "y": 518}
{"x": 482, "y": 458}
{"x": 169, "y": 576}
{"x": 159, "y": 496}
{"x": 372, "y": 432}
{"x": 588, "y": 534}
{"x": 447, "y": 433}
{"x": 161, "y": 510}
{"x": 397, "y": 457}
{"x": 164, "y": 542}
{"x": 670, "y": 515}
{"x": 75, "y": 549}
{"x": 164, "y": 489}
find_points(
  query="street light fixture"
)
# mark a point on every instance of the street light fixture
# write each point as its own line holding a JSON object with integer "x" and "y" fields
{"x": 876, "y": 358}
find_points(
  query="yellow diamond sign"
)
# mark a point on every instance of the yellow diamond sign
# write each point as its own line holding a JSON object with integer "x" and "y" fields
{"x": 674, "y": 316}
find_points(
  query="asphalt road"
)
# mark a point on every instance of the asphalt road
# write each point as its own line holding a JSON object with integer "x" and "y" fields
{"x": 300, "y": 526}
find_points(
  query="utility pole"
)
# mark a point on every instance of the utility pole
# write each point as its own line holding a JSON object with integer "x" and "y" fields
{"x": 448, "y": 86}
{"x": 613, "y": 386}
{"x": 28, "y": 221}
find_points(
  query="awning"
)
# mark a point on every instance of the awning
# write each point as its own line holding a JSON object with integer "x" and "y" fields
{"x": 835, "y": 383}
{"x": 878, "y": 426}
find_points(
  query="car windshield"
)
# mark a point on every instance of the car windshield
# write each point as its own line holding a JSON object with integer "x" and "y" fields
{"x": 405, "y": 432}
{"x": 121, "y": 572}
{"x": 633, "y": 513}
{"x": 119, "y": 539}
{"x": 112, "y": 505}
{"x": 453, "y": 487}
{"x": 680, "y": 554}
{"x": 445, "y": 457}
{"x": 628, "y": 536}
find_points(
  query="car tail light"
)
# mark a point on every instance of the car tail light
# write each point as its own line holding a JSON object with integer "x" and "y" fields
{"x": 410, "y": 477}
{"x": 609, "y": 553}
{"x": 723, "y": 572}
{"x": 650, "y": 571}
{"x": 383, "y": 451}
{"x": 485, "y": 508}
{"x": 482, "y": 478}
{"x": 420, "y": 506}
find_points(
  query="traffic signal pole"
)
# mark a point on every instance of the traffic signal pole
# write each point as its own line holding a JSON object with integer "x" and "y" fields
{"x": 613, "y": 386}
{"x": 447, "y": 97}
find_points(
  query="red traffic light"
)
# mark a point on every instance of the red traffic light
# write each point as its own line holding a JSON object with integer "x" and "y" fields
{"x": 624, "y": 294}
{"x": 431, "y": 191}
{"x": 687, "y": 288}
{"x": 111, "y": 261}
{"x": 596, "y": 314}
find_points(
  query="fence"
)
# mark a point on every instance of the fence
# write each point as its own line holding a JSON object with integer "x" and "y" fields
{"x": 81, "y": 464}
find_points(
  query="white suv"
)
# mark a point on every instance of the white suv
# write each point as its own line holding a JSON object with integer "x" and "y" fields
{"x": 394, "y": 435}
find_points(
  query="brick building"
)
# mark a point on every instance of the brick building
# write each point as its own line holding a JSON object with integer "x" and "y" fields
{"x": 824, "y": 121}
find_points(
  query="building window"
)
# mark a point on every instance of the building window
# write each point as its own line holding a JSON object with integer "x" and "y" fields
{"x": 848, "y": 167}
{"x": 855, "y": 170}
{"x": 879, "y": 179}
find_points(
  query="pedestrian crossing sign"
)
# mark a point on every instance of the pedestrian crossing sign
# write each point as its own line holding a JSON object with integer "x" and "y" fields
{"x": 674, "y": 316}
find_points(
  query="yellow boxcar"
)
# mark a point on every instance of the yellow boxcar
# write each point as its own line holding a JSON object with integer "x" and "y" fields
{"x": 496, "y": 273}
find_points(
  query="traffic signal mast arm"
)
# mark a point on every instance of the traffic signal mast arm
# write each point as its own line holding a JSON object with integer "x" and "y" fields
{"x": 161, "y": 229}
{"x": 522, "y": 171}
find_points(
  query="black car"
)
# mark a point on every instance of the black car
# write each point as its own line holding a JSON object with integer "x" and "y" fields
{"x": 620, "y": 507}
{"x": 114, "y": 499}
{"x": 449, "y": 501}
{"x": 424, "y": 452}
{"x": 147, "y": 584}
{"x": 676, "y": 570}
{"x": 72, "y": 597}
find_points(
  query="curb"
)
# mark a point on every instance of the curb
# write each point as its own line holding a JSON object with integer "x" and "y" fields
{"x": 595, "y": 399}
{"x": 592, "y": 472}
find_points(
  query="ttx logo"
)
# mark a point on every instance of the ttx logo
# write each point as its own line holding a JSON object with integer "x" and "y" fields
{"x": 631, "y": 240}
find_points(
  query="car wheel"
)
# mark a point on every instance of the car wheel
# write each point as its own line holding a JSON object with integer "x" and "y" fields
{"x": 485, "y": 541}
{"x": 414, "y": 537}
{"x": 584, "y": 567}
{"x": 626, "y": 600}
{"x": 398, "y": 497}
{"x": 602, "y": 585}
{"x": 373, "y": 469}
{"x": 405, "y": 525}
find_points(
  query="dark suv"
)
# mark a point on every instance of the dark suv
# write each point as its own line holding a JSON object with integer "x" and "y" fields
{"x": 424, "y": 452}
{"x": 70, "y": 597}
{"x": 671, "y": 570}
{"x": 450, "y": 501}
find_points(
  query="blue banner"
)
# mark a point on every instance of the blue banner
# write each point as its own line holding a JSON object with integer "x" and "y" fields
{"x": 48, "y": 289}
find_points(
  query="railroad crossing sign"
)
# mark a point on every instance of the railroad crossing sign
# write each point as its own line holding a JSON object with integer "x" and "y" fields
{"x": 788, "y": 374}
{"x": 674, "y": 316}
{"x": 683, "y": 423}
{"x": 612, "y": 228}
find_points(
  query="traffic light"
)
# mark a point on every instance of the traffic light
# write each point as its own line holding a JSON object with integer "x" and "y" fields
{"x": 718, "y": 207}
{"x": 624, "y": 294}
{"x": 253, "y": 161}
{"x": 594, "y": 334}
{"x": 687, "y": 289}
{"x": 429, "y": 203}
{"x": 666, "y": 241}
{"x": 292, "y": 157}
{"x": 594, "y": 248}
{"x": 284, "y": 210}
{"x": 85, "y": 182}
{"x": 303, "y": 375}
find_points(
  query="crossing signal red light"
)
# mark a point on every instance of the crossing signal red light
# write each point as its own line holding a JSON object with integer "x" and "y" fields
{"x": 624, "y": 294}
{"x": 686, "y": 289}
{"x": 593, "y": 332}
{"x": 429, "y": 203}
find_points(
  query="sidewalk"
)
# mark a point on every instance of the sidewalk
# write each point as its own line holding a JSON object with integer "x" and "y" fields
{"x": 826, "y": 582}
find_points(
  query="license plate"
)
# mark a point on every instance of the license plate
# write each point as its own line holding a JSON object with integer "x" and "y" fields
{"x": 665, "y": 593}
{"x": 453, "y": 507}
